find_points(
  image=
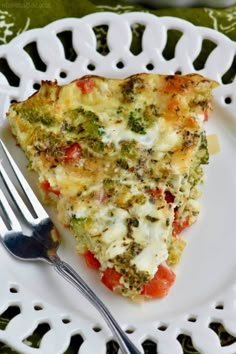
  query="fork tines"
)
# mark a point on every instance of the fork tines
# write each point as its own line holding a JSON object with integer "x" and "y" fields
{"x": 13, "y": 193}
{"x": 12, "y": 220}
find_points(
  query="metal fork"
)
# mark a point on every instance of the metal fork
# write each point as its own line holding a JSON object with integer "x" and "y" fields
{"x": 41, "y": 245}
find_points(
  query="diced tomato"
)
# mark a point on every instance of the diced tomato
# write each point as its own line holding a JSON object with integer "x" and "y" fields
{"x": 206, "y": 116}
{"x": 178, "y": 226}
{"x": 72, "y": 152}
{"x": 86, "y": 85}
{"x": 154, "y": 193}
{"x": 45, "y": 185}
{"x": 111, "y": 278}
{"x": 91, "y": 260}
{"x": 169, "y": 198}
{"x": 160, "y": 284}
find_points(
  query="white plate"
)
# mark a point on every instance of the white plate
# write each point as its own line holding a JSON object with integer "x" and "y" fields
{"x": 206, "y": 275}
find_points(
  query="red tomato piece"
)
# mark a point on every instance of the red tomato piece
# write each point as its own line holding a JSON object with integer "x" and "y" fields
{"x": 86, "y": 85}
{"x": 178, "y": 226}
{"x": 160, "y": 284}
{"x": 154, "y": 193}
{"x": 169, "y": 198}
{"x": 111, "y": 278}
{"x": 45, "y": 185}
{"x": 72, "y": 152}
{"x": 206, "y": 116}
{"x": 91, "y": 260}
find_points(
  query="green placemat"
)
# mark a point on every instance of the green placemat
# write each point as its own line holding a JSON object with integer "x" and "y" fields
{"x": 18, "y": 16}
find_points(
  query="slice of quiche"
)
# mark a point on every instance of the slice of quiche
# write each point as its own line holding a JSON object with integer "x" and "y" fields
{"x": 121, "y": 159}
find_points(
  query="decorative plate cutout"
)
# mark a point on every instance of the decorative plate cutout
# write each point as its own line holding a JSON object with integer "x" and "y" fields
{"x": 202, "y": 303}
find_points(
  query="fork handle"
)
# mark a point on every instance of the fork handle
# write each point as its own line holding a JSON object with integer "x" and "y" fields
{"x": 67, "y": 272}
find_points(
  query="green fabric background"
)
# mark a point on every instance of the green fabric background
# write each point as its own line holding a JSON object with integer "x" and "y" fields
{"x": 17, "y": 16}
{"x": 21, "y": 14}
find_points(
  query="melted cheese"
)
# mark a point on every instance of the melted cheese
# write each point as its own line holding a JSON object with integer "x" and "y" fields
{"x": 119, "y": 132}
{"x": 153, "y": 235}
{"x": 213, "y": 143}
